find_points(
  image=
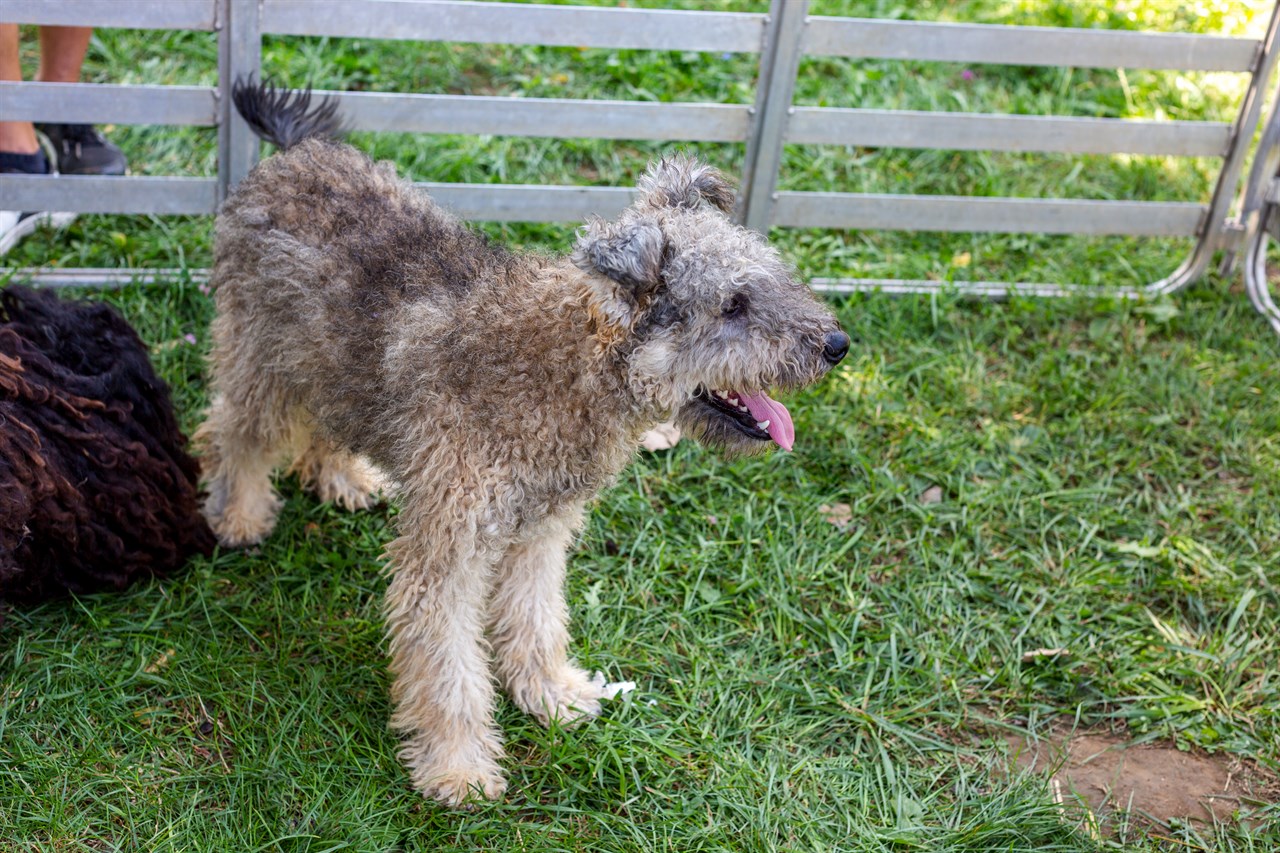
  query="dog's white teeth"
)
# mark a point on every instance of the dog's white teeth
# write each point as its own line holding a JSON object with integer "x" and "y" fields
{"x": 762, "y": 424}
{"x": 742, "y": 408}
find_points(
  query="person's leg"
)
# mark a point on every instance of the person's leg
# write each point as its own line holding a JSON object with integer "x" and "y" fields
{"x": 16, "y": 137}
{"x": 80, "y": 148}
{"x": 20, "y": 153}
{"x": 62, "y": 51}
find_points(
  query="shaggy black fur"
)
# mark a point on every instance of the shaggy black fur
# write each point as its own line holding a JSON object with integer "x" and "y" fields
{"x": 96, "y": 488}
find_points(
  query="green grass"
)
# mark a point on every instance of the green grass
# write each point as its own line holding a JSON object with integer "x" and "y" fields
{"x": 1109, "y": 475}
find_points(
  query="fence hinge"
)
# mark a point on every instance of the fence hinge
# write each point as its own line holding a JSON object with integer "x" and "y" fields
{"x": 1228, "y": 240}
{"x": 1232, "y": 233}
{"x": 1271, "y": 222}
{"x": 1272, "y": 193}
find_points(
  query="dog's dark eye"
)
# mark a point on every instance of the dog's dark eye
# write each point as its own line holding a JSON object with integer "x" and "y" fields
{"x": 736, "y": 305}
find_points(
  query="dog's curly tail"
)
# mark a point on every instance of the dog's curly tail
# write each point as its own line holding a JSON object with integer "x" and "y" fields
{"x": 284, "y": 117}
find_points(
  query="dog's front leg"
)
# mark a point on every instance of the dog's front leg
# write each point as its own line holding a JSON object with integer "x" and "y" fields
{"x": 529, "y": 627}
{"x": 443, "y": 692}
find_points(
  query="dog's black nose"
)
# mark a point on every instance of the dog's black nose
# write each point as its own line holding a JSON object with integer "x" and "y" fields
{"x": 837, "y": 348}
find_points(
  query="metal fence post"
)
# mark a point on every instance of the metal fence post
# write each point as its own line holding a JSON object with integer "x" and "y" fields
{"x": 239, "y": 55}
{"x": 779, "y": 62}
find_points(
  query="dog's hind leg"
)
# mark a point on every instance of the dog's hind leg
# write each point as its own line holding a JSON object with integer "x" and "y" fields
{"x": 528, "y": 626}
{"x": 337, "y": 475}
{"x": 238, "y": 453}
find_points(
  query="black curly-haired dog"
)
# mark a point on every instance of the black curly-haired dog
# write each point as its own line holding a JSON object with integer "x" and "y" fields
{"x": 96, "y": 487}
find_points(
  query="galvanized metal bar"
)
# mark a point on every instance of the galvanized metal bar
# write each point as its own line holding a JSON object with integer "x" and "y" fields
{"x": 1259, "y": 216}
{"x": 91, "y": 277}
{"x": 1258, "y": 198}
{"x": 91, "y": 103}
{"x": 1256, "y": 280}
{"x": 1260, "y": 187}
{"x": 529, "y": 203}
{"x": 546, "y": 117}
{"x": 991, "y": 132}
{"x": 995, "y": 215}
{"x": 1216, "y": 229}
{"x": 779, "y": 64}
{"x": 978, "y": 289}
{"x": 1018, "y": 45}
{"x": 509, "y": 23}
{"x": 128, "y": 14}
{"x": 172, "y": 195}
{"x": 97, "y": 194}
{"x": 239, "y": 57}
{"x": 103, "y": 277}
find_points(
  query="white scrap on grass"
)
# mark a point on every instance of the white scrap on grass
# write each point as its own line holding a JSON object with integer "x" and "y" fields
{"x": 1027, "y": 657}
{"x": 611, "y": 690}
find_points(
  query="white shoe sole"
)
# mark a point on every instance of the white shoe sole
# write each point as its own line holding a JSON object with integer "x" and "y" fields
{"x": 14, "y": 235}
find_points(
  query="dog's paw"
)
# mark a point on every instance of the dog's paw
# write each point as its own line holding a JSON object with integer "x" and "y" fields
{"x": 346, "y": 481}
{"x": 568, "y": 698}
{"x": 240, "y": 535}
{"x": 459, "y": 786}
{"x": 352, "y": 489}
{"x": 237, "y": 529}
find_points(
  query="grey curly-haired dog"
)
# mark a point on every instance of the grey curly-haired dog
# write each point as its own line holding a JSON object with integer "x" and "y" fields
{"x": 499, "y": 392}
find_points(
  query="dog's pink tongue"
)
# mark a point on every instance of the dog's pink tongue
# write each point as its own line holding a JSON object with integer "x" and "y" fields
{"x": 764, "y": 408}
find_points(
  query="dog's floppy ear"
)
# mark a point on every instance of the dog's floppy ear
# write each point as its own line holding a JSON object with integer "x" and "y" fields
{"x": 684, "y": 182}
{"x": 627, "y": 259}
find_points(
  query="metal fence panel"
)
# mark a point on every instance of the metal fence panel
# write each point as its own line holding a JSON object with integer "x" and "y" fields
{"x": 782, "y": 37}
{"x": 550, "y": 117}
{"x": 509, "y": 23}
{"x": 91, "y": 103}
{"x": 85, "y": 194}
{"x": 526, "y": 203}
{"x": 96, "y": 277}
{"x": 1016, "y": 45}
{"x": 1210, "y": 224}
{"x": 132, "y": 14}
{"x": 989, "y": 132}
{"x": 997, "y": 215}
{"x": 983, "y": 289}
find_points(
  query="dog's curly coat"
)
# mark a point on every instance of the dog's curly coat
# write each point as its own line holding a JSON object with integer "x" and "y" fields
{"x": 96, "y": 488}
{"x": 499, "y": 392}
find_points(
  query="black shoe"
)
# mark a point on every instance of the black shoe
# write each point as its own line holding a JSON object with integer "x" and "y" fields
{"x": 81, "y": 150}
{"x": 16, "y": 224}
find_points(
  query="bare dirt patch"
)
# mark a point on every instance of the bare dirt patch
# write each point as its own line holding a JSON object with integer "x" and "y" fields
{"x": 1153, "y": 781}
